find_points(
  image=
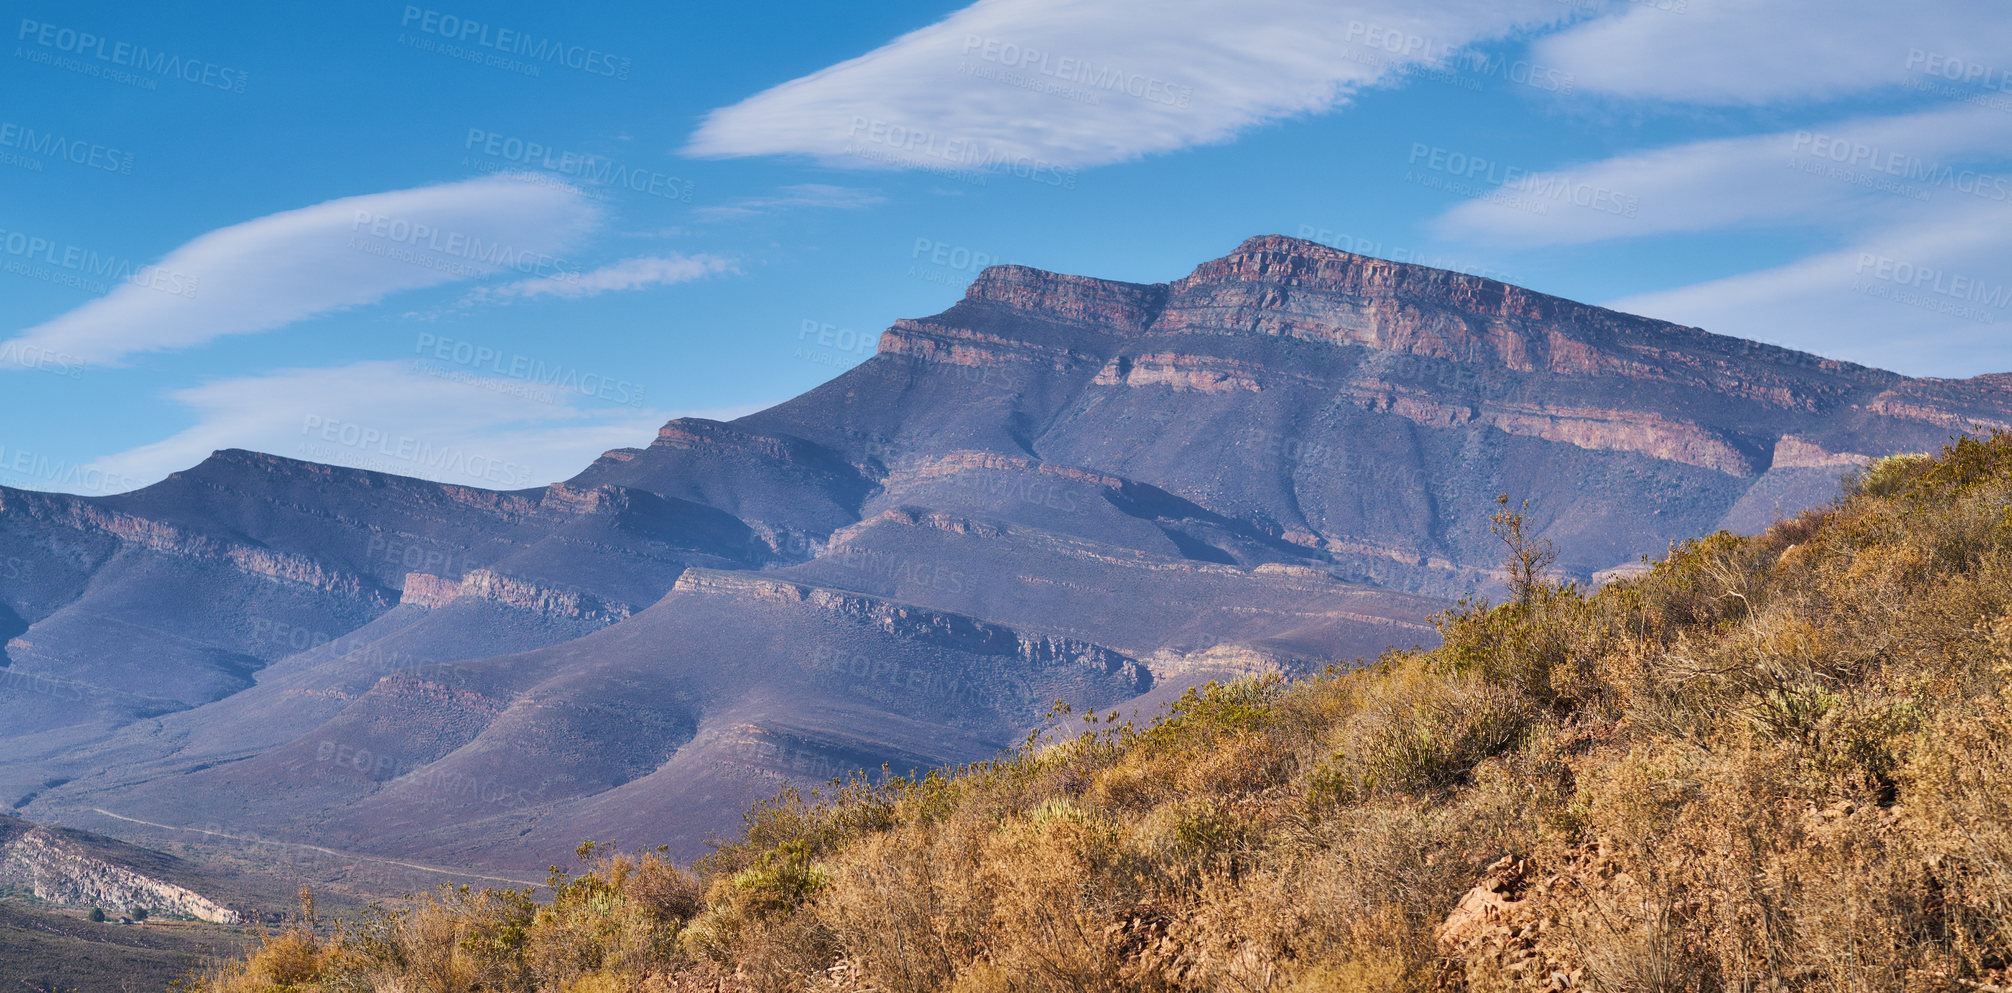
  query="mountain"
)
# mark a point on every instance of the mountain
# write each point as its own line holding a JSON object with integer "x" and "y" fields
{"x": 1059, "y": 488}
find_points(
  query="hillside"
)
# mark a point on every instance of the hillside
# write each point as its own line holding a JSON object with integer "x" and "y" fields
{"x": 1059, "y": 487}
{"x": 72, "y": 869}
{"x": 50, "y": 951}
{"x": 195, "y": 911}
{"x": 1770, "y": 762}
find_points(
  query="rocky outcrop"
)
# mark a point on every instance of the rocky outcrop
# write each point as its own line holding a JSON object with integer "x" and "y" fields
{"x": 934, "y": 627}
{"x": 692, "y": 433}
{"x": 568, "y": 500}
{"x": 953, "y": 464}
{"x": 1795, "y": 452}
{"x": 521, "y": 594}
{"x": 43, "y": 863}
{"x": 939, "y": 342}
{"x": 1206, "y": 374}
{"x": 423, "y": 590}
{"x": 1101, "y": 303}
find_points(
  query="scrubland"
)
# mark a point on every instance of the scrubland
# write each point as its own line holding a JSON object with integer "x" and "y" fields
{"x": 1770, "y": 763}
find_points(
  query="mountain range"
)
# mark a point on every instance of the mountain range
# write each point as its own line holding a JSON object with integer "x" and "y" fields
{"x": 1061, "y": 488}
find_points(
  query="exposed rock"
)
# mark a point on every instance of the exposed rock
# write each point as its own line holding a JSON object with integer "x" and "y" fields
{"x": 1795, "y": 452}
{"x": 42, "y": 862}
{"x": 1102, "y": 303}
{"x": 526, "y": 595}
{"x": 423, "y": 590}
{"x": 936, "y": 627}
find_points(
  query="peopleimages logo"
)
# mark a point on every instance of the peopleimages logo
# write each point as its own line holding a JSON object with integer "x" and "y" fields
{"x": 47, "y": 145}
{"x": 1957, "y": 70}
{"x": 847, "y": 340}
{"x": 1868, "y": 158}
{"x": 83, "y": 44}
{"x": 1928, "y": 288}
{"x": 481, "y": 254}
{"x": 1538, "y": 186}
{"x": 23, "y": 682}
{"x": 1445, "y": 62}
{"x": 63, "y": 473}
{"x": 398, "y": 451}
{"x": 28, "y": 355}
{"x": 384, "y": 768}
{"x": 1399, "y": 253}
{"x": 583, "y": 166}
{"x": 913, "y": 145}
{"x": 508, "y": 41}
{"x": 534, "y": 370}
{"x": 1081, "y": 72}
{"x": 77, "y": 259}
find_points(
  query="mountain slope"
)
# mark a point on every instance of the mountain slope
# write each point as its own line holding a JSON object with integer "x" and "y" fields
{"x": 1285, "y": 457}
{"x": 1773, "y": 762}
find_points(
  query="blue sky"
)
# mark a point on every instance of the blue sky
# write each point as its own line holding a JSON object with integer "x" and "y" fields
{"x": 484, "y": 243}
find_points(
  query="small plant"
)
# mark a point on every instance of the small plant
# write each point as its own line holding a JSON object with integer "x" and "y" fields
{"x": 1529, "y": 557}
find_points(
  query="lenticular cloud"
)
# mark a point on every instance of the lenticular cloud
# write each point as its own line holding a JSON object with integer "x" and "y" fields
{"x": 269, "y": 272}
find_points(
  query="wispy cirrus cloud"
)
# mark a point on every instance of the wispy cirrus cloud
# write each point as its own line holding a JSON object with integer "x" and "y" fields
{"x": 1915, "y": 208}
{"x": 814, "y": 195}
{"x": 629, "y": 274}
{"x": 275, "y": 270}
{"x": 1846, "y": 174}
{"x": 1032, "y": 85}
{"x": 400, "y": 418}
{"x": 1938, "y": 284}
{"x": 1756, "y": 52}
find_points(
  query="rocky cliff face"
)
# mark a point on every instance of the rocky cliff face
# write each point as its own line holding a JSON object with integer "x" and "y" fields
{"x": 520, "y": 594}
{"x": 165, "y": 537}
{"x": 1443, "y": 350}
{"x": 40, "y": 862}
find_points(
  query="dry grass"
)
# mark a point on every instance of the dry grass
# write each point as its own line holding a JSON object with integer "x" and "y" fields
{"x": 1772, "y": 763}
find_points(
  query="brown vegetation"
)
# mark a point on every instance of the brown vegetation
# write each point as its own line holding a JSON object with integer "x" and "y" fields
{"x": 1780, "y": 762}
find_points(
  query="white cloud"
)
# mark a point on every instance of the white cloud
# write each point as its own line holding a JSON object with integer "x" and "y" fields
{"x": 1918, "y": 217}
{"x": 800, "y": 195}
{"x": 1929, "y": 299}
{"x": 409, "y": 419}
{"x": 628, "y": 274}
{"x": 285, "y": 267}
{"x": 1039, "y": 86}
{"x": 1732, "y": 52}
{"x": 1844, "y": 175}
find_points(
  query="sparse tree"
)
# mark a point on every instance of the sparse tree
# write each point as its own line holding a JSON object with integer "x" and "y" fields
{"x": 96, "y": 916}
{"x": 1528, "y": 557}
{"x": 139, "y": 913}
